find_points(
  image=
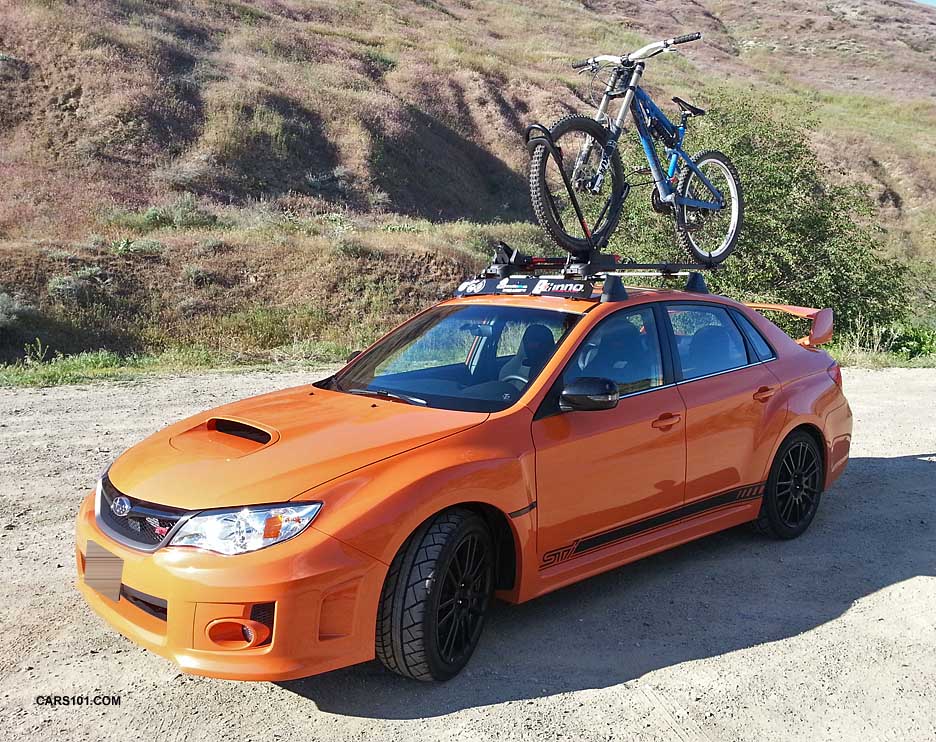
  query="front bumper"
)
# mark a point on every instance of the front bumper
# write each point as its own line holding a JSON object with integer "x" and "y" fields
{"x": 325, "y": 595}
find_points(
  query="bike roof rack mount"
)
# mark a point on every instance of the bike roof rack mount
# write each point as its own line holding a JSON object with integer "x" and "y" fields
{"x": 512, "y": 272}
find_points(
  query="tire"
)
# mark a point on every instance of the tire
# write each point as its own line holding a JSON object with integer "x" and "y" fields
{"x": 555, "y": 226}
{"x": 689, "y": 236}
{"x": 413, "y": 624}
{"x": 783, "y": 501}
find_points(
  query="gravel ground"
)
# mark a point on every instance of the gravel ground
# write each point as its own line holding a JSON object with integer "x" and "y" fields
{"x": 832, "y": 636}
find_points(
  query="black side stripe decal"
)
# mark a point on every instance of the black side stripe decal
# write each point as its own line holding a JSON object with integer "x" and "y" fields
{"x": 523, "y": 511}
{"x": 605, "y": 538}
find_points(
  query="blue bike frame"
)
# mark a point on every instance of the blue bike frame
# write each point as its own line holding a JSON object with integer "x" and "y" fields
{"x": 644, "y": 110}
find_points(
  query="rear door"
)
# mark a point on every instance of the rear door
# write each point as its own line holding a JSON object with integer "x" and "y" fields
{"x": 733, "y": 409}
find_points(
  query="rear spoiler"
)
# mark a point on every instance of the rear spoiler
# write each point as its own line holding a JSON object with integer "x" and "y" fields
{"x": 821, "y": 330}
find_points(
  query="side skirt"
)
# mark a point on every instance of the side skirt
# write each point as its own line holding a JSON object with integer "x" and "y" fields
{"x": 621, "y": 545}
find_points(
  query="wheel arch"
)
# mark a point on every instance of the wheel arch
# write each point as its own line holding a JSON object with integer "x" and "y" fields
{"x": 506, "y": 544}
{"x": 506, "y": 539}
{"x": 815, "y": 432}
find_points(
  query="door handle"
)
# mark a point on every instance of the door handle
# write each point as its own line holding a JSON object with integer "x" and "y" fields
{"x": 765, "y": 393}
{"x": 666, "y": 420}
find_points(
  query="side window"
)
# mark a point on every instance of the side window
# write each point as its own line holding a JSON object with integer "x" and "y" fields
{"x": 707, "y": 340}
{"x": 624, "y": 348}
{"x": 763, "y": 350}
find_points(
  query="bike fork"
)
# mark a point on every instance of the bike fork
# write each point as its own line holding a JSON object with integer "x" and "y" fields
{"x": 616, "y": 127}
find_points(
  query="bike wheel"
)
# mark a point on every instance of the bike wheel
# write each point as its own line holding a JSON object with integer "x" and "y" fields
{"x": 581, "y": 142}
{"x": 710, "y": 236}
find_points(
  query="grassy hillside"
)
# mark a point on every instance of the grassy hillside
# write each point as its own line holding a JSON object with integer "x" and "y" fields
{"x": 248, "y": 176}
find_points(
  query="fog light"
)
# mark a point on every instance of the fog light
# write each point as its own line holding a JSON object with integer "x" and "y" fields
{"x": 236, "y": 633}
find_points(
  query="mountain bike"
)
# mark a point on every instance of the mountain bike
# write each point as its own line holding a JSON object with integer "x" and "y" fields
{"x": 578, "y": 185}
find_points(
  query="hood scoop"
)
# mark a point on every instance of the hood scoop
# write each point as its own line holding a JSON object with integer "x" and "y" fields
{"x": 224, "y": 438}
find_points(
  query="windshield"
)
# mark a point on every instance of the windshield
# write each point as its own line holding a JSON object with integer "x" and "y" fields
{"x": 471, "y": 357}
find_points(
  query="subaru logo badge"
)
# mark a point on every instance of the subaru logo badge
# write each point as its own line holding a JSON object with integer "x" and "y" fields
{"x": 120, "y": 506}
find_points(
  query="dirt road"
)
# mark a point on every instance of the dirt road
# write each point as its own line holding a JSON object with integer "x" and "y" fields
{"x": 832, "y": 636}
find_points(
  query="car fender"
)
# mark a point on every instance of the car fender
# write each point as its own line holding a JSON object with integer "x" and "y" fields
{"x": 809, "y": 400}
{"x": 375, "y": 509}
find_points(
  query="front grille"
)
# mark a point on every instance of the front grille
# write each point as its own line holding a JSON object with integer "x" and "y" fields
{"x": 147, "y": 524}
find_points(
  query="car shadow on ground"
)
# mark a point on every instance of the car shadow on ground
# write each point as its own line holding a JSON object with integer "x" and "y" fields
{"x": 729, "y": 591}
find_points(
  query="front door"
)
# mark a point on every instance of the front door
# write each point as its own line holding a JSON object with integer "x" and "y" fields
{"x": 598, "y": 471}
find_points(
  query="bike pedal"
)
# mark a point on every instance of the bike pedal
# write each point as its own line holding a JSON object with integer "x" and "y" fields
{"x": 642, "y": 171}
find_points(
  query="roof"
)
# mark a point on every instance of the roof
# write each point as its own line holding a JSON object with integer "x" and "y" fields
{"x": 635, "y": 295}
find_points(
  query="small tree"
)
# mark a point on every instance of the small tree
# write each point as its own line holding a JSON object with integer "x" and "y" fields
{"x": 804, "y": 240}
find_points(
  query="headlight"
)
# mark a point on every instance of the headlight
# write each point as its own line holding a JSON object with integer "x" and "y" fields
{"x": 248, "y": 529}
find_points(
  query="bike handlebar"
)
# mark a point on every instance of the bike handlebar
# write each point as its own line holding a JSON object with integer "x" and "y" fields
{"x": 650, "y": 50}
{"x": 686, "y": 38}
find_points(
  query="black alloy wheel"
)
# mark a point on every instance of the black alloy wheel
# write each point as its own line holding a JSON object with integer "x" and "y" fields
{"x": 436, "y": 596}
{"x": 463, "y": 599}
{"x": 794, "y": 487}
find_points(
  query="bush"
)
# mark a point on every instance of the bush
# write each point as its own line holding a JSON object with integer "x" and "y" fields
{"x": 212, "y": 247}
{"x": 911, "y": 341}
{"x": 198, "y": 276}
{"x": 90, "y": 273}
{"x": 139, "y": 248}
{"x": 193, "y": 306}
{"x": 182, "y": 213}
{"x": 804, "y": 240}
{"x": 350, "y": 247}
{"x": 71, "y": 290}
{"x": 11, "y": 310}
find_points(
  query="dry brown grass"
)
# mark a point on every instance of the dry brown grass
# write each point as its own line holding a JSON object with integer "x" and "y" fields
{"x": 420, "y": 105}
{"x": 349, "y": 145}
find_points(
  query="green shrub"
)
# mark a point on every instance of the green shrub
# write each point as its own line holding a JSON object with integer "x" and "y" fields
{"x": 138, "y": 248}
{"x": 71, "y": 290}
{"x": 183, "y": 213}
{"x": 90, "y": 273}
{"x": 350, "y": 247}
{"x": 378, "y": 64}
{"x": 198, "y": 276}
{"x": 212, "y": 247}
{"x": 911, "y": 340}
{"x": 12, "y": 310}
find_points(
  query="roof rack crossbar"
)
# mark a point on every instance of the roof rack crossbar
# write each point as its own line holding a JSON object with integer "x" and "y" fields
{"x": 573, "y": 275}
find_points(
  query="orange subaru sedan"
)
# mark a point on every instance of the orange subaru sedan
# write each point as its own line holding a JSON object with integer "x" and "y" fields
{"x": 524, "y": 435}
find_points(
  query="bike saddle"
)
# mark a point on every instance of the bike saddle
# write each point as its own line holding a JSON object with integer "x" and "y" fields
{"x": 688, "y": 107}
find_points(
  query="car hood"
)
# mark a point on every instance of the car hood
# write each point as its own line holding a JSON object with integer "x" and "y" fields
{"x": 276, "y": 446}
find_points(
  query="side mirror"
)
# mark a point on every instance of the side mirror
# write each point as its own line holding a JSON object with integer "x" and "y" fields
{"x": 352, "y": 355}
{"x": 589, "y": 393}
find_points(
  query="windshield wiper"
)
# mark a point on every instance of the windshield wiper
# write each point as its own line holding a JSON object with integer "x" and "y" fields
{"x": 384, "y": 394}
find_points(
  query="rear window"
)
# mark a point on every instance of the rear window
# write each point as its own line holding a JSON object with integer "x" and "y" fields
{"x": 761, "y": 346}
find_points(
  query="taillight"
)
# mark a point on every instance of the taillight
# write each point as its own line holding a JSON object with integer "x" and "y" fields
{"x": 835, "y": 373}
